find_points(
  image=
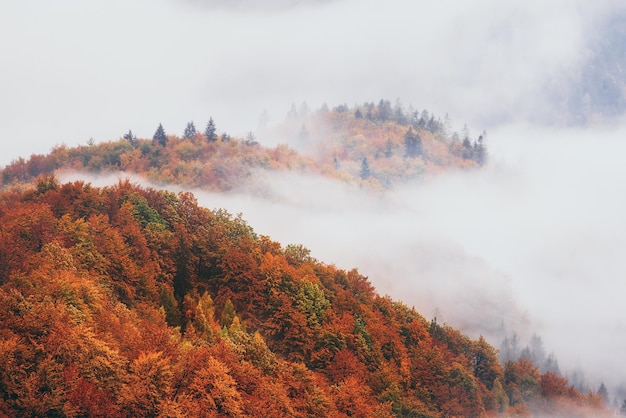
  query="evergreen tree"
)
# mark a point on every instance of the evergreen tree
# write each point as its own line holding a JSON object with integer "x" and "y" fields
{"x": 468, "y": 150}
{"x": 250, "y": 139}
{"x": 509, "y": 349}
{"x": 433, "y": 125}
{"x": 130, "y": 137}
{"x": 385, "y": 112}
{"x": 398, "y": 113}
{"x": 480, "y": 151}
{"x": 603, "y": 393}
{"x": 190, "y": 131}
{"x": 412, "y": 144}
{"x": 293, "y": 112}
{"x": 552, "y": 364}
{"x": 423, "y": 120}
{"x": 209, "y": 132}
{"x": 159, "y": 136}
{"x": 365, "y": 169}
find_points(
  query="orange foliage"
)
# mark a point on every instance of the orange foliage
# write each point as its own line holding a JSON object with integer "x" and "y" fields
{"x": 122, "y": 301}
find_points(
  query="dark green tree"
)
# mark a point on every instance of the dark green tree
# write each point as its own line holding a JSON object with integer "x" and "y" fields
{"x": 130, "y": 137}
{"x": 412, "y": 144}
{"x": 480, "y": 151}
{"x": 190, "y": 131}
{"x": 385, "y": 111}
{"x": 209, "y": 131}
{"x": 159, "y": 136}
{"x": 365, "y": 169}
{"x": 399, "y": 116}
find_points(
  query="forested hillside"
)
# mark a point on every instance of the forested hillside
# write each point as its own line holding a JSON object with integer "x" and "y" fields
{"x": 125, "y": 301}
{"x": 375, "y": 145}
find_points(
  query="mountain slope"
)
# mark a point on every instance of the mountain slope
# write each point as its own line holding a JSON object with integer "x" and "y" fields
{"x": 375, "y": 145}
{"x": 124, "y": 301}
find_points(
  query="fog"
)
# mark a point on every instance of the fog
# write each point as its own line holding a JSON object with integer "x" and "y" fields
{"x": 77, "y": 70}
{"x": 531, "y": 243}
{"x": 534, "y": 242}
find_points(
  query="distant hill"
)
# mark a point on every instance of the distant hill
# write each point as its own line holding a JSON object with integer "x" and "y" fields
{"x": 125, "y": 301}
{"x": 595, "y": 89}
{"x": 375, "y": 145}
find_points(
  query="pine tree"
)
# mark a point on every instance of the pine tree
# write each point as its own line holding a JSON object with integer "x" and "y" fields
{"x": 159, "y": 136}
{"x": 413, "y": 144}
{"x": 480, "y": 151}
{"x": 190, "y": 131}
{"x": 209, "y": 132}
{"x": 130, "y": 137}
{"x": 603, "y": 393}
{"x": 365, "y": 169}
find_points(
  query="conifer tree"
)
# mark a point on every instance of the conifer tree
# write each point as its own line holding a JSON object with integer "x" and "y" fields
{"x": 190, "y": 131}
{"x": 130, "y": 137}
{"x": 412, "y": 144}
{"x": 365, "y": 169}
{"x": 159, "y": 136}
{"x": 209, "y": 132}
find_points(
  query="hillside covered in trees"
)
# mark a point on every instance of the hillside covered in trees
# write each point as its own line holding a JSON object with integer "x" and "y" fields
{"x": 126, "y": 301}
{"x": 375, "y": 145}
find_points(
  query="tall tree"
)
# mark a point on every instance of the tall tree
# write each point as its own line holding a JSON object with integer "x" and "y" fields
{"x": 209, "y": 131}
{"x": 190, "y": 131}
{"x": 159, "y": 136}
{"x": 130, "y": 137}
{"x": 365, "y": 169}
{"x": 412, "y": 144}
{"x": 480, "y": 151}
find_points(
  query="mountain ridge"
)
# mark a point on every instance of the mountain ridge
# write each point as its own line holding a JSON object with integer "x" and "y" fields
{"x": 130, "y": 301}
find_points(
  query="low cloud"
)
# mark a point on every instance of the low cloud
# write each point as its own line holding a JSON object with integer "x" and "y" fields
{"x": 533, "y": 242}
{"x": 170, "y": 61}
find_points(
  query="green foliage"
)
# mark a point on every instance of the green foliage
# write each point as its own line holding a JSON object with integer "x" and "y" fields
{"x": 209, "y": 131}
{"x": 228, "y": 314}
{"x": 296, "y": 254}
{"x": 190, "y": 131}
{"x": 144, "y": 213}
{"x": 170, "y": 306}
{"x": 412, "y": 144}
{"x": 311, "y": 301}
{"x": 159, "y": 136}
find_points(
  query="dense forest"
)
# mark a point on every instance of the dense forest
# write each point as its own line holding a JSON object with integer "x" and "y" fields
{"x": 127, "y": 301}
{"x": 375, "y": 145}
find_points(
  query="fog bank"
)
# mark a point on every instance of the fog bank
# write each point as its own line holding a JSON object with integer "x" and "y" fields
{"x": 534, "y": 242}
{"x": 78, "y": 70}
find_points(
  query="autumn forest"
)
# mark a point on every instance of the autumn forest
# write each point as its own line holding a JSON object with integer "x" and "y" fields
{"x": 128, "y": 300}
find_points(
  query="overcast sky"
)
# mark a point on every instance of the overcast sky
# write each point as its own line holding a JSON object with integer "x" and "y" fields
{"x": 537, "y": 236}
{"x": 73, "y": 70}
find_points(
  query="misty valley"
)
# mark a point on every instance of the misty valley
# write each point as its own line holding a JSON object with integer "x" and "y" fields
{"x": 124, "y": 294}
{"x": 312, "y": 208}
